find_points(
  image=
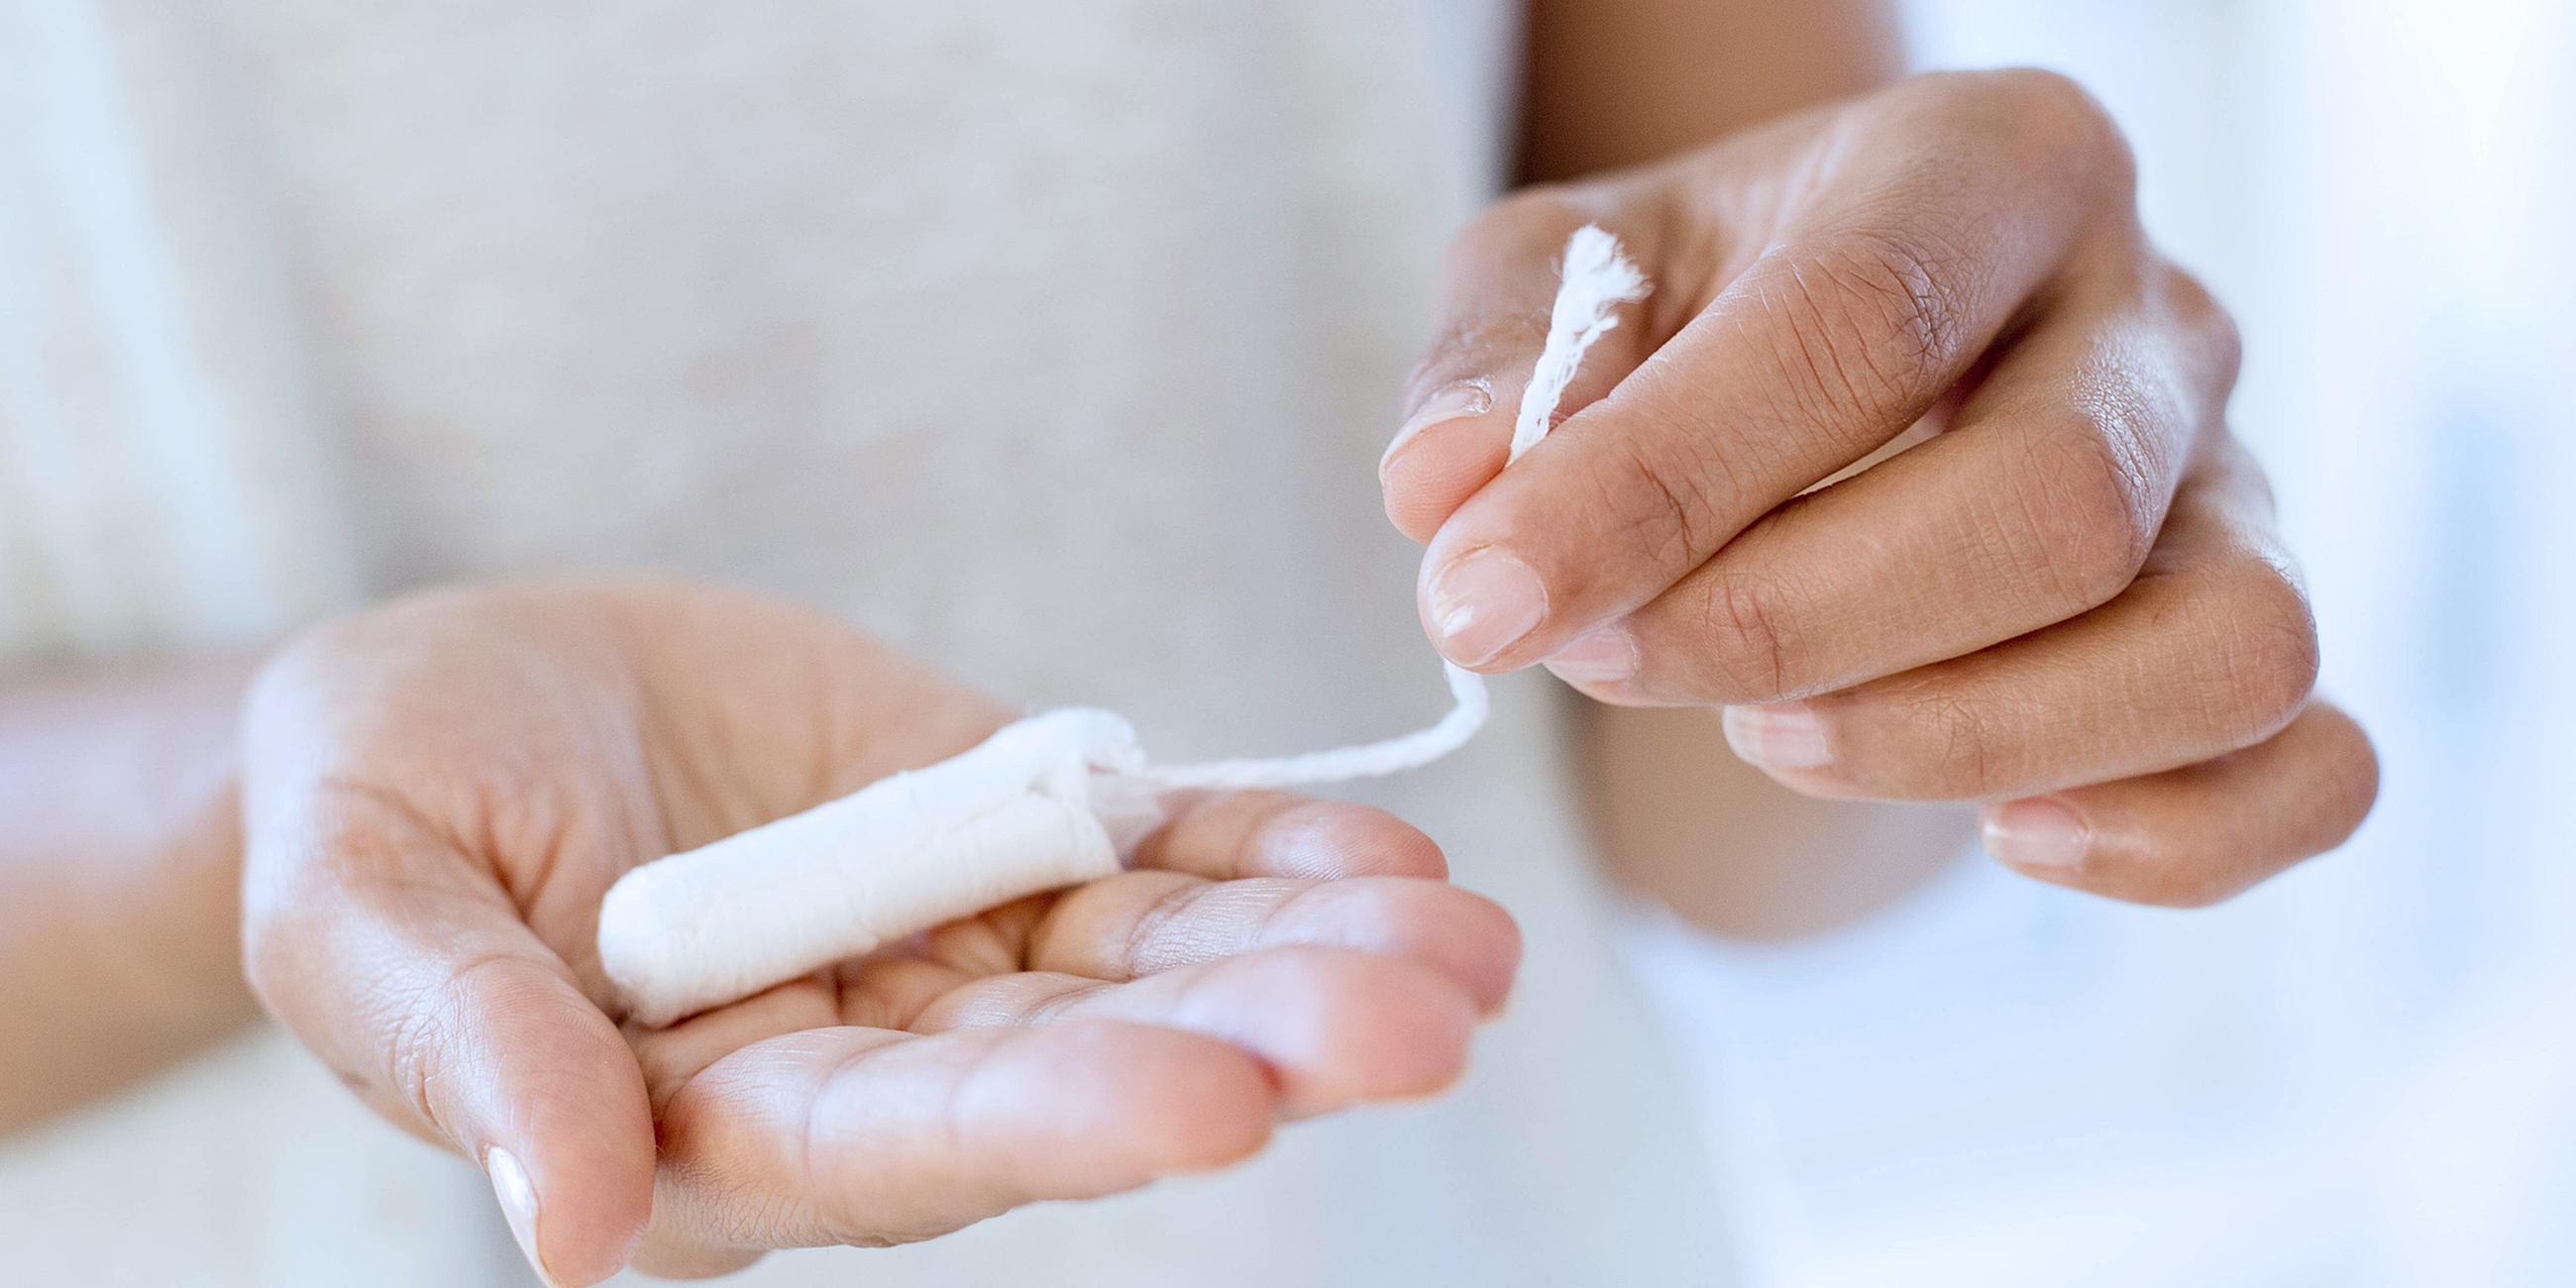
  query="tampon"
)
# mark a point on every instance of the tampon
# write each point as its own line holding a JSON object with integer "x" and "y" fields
{"x": 1053, "y": 800}
{"x": 1049, "y": 801}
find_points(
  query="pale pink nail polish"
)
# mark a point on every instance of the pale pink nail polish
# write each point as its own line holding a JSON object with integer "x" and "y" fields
{"x": 2036, "y": 833}
{"x": 1482, "y": 603}
{"x": 1454, "y": 401}
{"x": 1782, "y": 735}
{"x": 1606, "y": 655}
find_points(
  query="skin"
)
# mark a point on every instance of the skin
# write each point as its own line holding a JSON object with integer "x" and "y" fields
{"x": 2072, "y": 595}
{"x": 423, "y": 877}
{"x": 1617, "y": 83}
{"x": 122, "y": 778}
{"x": 119, "y": 878}
{"x": 2065, "y": 602}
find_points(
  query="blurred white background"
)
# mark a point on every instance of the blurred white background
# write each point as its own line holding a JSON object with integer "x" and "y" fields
{"x": 2362, "y": 1074}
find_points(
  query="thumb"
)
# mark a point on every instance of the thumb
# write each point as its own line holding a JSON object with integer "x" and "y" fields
{"x": 412, "y": 975}
{"x": 1463, "y": 396}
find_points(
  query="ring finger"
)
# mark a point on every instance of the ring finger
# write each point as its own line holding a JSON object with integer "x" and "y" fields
{"x": 2210, "y": 650}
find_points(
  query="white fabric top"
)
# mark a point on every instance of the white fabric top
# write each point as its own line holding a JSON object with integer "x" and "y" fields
{"x": 1056, "y": 342}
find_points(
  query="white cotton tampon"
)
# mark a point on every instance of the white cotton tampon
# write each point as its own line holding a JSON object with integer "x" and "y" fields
{"x": 1049, "y": 801}
{"x": 1053, "y": 800}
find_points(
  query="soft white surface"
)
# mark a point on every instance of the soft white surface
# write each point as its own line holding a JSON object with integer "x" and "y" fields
{"x": 1597, "y": 278}
{"x": 1008, "y": 818}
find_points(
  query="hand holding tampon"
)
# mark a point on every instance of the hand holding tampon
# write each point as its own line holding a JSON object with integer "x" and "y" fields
{"x": 1916, "y": 466}
{"x": 439, "y": 792}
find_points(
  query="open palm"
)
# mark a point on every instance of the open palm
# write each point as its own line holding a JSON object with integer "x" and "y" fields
{"x": 439, "y": 792}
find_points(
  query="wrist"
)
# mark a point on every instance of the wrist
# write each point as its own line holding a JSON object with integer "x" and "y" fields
{"x": 120, "y": 881}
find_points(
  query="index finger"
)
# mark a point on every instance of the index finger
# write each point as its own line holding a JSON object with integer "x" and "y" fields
{"x": 1462, "y": 398}
{"x": 1940, "y": 213}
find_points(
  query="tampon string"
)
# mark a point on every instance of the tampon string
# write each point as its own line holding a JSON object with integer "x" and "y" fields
{"x": 1597, "y": 278}
{"x": 1341, "y": 764}
{"x": 1051, "y": 801}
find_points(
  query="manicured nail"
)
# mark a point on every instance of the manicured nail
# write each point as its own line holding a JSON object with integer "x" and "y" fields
{"x": 1605, "y": 656}
{"x": 1483, "y": 602}
{"x": 1782, "y": 735}
{"x": 2036, "y": 833}
{"x": 1453, "y": 401}
{"x": 518, "y": 1203}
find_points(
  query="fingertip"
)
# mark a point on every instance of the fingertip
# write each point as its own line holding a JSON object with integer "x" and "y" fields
{"x": 1407, "y": 1035}
{"x": 2353, "y": 779}
{"x": 573, "y": 1228}
{"x": 1215, "y": 1104}
{"x": 589, "y": 1221}
{"x": 1159, "y": 1100}
{"x": 1331, "y": 840}
{"x": 2202, "y": 834}
{"x": 1464, "y": 936}
{"x": 1430, "y": 470}
{"x": 1499, "y": 935}
{"x": 1342, "y": 1028}
{"x": 571, "y": 1152}
{"x": 1470, "y": 940}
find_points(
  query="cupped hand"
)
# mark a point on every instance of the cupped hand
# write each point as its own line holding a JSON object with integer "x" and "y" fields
{"x": 2065, "y": 599}
{"x": 439, "y": 792}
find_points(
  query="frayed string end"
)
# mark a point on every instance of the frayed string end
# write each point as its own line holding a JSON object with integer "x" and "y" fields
{"x": 1598, "y": 279}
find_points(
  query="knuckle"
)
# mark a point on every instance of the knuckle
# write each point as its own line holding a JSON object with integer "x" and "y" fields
{"x": 1533, "y": 221}
{"x": 2201, "y": 316}
{"x": 414, "y": 1050}
{"x": 1961, "y": 740}
{"x": 1143, "y": 949}
{"x": 1740, "y": 614}
{"x": 426, "y": 1035}
{"x": 2269, "y": 664}
{"x": 1873, "y": 322}
{"x": 2358, "y": 781}
{"x": 1505, "y": 234}
{"x": 1538, "y": 212}
{"x": 2049, "y": 96}
{"x": 1665, "y": 501}
{"x": 2083, "y": 512}
{"x": 2053, "y": 114}
{"x": 2017, "y": 124}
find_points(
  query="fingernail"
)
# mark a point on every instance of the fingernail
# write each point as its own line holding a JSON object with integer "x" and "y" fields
{"x": 2036, "y": 833}
{"x": 1606, "y": 655}
{"x": 1452, "y": 401}
{"x": 1782, "y": 735}
{"x": 518, "y": 1203}
{"x": 1482, "y": 602}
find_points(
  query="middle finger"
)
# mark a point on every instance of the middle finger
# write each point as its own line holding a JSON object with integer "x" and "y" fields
{"x": 2041, "y": 503}
{"x": 2212, "y": 649}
